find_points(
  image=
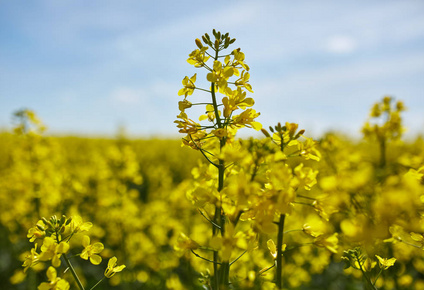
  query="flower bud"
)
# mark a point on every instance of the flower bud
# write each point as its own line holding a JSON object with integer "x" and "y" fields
{"x": 265, "y": 132}
{"x": 198, "y": 43}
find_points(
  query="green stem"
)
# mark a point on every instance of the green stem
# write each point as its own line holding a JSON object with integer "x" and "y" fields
{"x": 238, "y": 257}
{"x": 77, "y": 280}
{"x": 203, "y": 258}
{"x": 378, "y": 276}
{"x": 97, "y": 283}
{"x": 365, "y": 275}
{"x": 217, "y": 218}
{"x": 208, "y": 219}
{"x": 279, "y": 259}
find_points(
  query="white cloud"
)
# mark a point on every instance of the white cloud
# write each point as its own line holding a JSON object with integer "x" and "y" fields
{"x": 127, "y": 96}
{"x": 341, "y": 44}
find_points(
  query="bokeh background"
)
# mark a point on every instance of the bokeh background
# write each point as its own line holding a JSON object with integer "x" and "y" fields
{"x": 91, "y": 67}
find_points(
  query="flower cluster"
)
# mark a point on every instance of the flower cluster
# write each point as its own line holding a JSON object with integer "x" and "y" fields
{"x": 55, "y": 237}
{"x": 229, "y": 78}
{"x": 249, "y": 187}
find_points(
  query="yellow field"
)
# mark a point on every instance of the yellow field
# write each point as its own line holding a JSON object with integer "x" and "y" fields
{"x": 280, "y": 212}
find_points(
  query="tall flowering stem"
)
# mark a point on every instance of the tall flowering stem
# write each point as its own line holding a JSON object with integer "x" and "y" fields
{"x": 211, "y": 139}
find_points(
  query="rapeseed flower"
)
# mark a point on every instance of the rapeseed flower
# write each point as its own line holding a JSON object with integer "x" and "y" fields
{"x": 51, "y": 250}
{"x": 385, "y": 263}
{"x": 55, "y": 283}
{"x": 112, "y": 268}
{"x": 91, "y": 251}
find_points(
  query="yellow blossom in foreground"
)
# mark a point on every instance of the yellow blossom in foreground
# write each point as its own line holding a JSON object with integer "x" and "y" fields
{"x": 112, "y": 268}
{"x": 185, "y": 243}
{"x": 36, "y": 231}
{"x": 91, "y": 251}
{"x": 31, "y": 259}
{"x": 272, "y": 248}
{"x": 50, "y": 250}
{"x": 77, "y": 225}
{"x": 329, "y": 242}
{"x": 189, "y": 86}
{"x": 55, "y": 283}
{"x": 385, "y": 263}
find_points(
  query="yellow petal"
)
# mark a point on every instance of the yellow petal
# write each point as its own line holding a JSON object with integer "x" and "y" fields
{"x": 63, "y": 248}
{"x": 95, "y": 259}
{"x": 256, "y": 125}
{"x": 51, "y": 273}
{"x": 85, "y": 241}
{"x": 98, "y": 247}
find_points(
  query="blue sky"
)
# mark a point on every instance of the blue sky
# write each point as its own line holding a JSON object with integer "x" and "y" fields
{"x": 88, "y": 67}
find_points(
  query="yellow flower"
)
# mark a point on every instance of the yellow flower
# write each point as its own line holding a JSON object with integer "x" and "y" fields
{"x": 242, "y": 81}
{"x": 56, "y": 283}
{"x": 185, "y": 104}
{"x": 246, "y": 118}
{"x": 112, "y": 268}
{"x": 328, "y": 242}
{"x": 418, "y": 238}
{"x": 50, "y": 250}
{"x": 235, "y": 99}
{"x": 226, "y": 243}
{"x": 189, "y": 86}
{"x": 385, "y": 263}
{"x": 307, "y": 229}
{"x": 185, "y": 243}
{"x": 91, "y": 251}
{"x": 220, "y": 133}
{"x": 308, "y": 149}
{"x": 306, "y": 176}
{"x": 187, "y": 125}
{"x": 198, "y": 57}
{"x": 272, "y": 248}
{"x": 77, "y": 225}
{"x": 37, "y": 231}
{"x": 31, "y": 259}
{"x": 239, "y": 58}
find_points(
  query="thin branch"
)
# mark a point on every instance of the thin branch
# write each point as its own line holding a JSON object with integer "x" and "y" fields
{"x": 238, "y": 258}
{"x": 100, "y": 281}
{"x": 209, "y": 53}
{"x": 410, "y": 244}
{"x": 208, "y": 219}
{"x": 265, "y": 270}
{"x": 307, "y": 197}
{"x": 200, "y": 89}
{"x": 195, "y": 104}
{"x": 206, "y": 66}
{"x": 201, "y": 151}
{"x": 74, "y": 274}
{"x": 197, "y": 255}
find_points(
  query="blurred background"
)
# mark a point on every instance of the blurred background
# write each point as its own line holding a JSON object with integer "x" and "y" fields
{"x": 89, "y": 68}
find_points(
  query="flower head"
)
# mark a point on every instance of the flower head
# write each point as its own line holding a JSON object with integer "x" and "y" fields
{"x": 37, "y": 231}
{"x": 189, "y": 86}
{"x": 55, "y": 283}
{"x": 385, "y": 263}
{"x": 328, "y": 242}
{"x": 77, "y": 225}
{"x": 50, "y": 250}
{"x": 31, "y": 259}
{"x": 91, "y": 251}
{"x": 112, "y": 268}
